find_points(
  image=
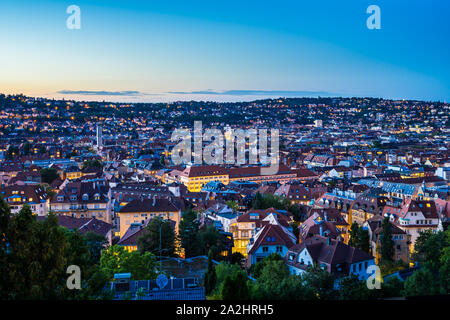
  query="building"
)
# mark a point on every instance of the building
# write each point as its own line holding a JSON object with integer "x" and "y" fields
{"x": 195, "y": 177}
{"x": 331, "y": 255}
{"x": 248, "y": 224}
{"x": 33, "y": 195}
{"x": 85, "y": 225}
{"x": 84, "y": 199}
{"x": 99, "y": 137}
{"x": 273, "y": 237}
{"x": 413, "y": 217}
{"x": 138, "y": 211}
{"x": 401, "y": 239}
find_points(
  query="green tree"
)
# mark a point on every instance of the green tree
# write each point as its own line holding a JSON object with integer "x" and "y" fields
{"x": 5, "y": 217}
{"x": 351, "y": 288}
{"x": 48, "y": 175}
{"x": 26, "y": 148}
{"x": 353, "y": 235}
{"x": 36, "y": 261}
{"x": 387, "y": 244}
{"x": 392, "y": 287}
{"x": 188, "y": 232}
{"x": 228, "y": 289}
{"x": 236, "y": 258}
{"x": 428, "y": 247}
{"x": 209, "y": 238}
{"x": 257, "y": 201}
{"x": 210, "y": 276}
{"x": 320, "y": 282}
{"x": 232, "y": 205}
{"x": 268, "y": 283}
{"x": 363, "y": 242}
{"x": 116, "y": 259}
{"x": 256, "y": 269}
{"x": 92, "y": 164}
{"x": 422, "y": 282}
{"x": 96, "y": 243}
{"x": 159, "y": 238}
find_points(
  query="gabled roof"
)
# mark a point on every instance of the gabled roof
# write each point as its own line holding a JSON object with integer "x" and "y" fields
{"x": 149, "y": 205}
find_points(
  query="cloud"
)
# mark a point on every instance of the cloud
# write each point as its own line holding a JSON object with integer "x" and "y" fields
{"x": 256, "y": 93}
{"x": 101, "y": 93}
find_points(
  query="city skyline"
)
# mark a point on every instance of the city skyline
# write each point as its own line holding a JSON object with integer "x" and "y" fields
{"x": 153, "y": 52}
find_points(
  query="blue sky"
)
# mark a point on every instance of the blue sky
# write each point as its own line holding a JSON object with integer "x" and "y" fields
{"x": 225, "y": 50}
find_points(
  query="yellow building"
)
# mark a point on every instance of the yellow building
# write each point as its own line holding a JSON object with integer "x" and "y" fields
{"x": 137, "y": 211}
{"x": 194, "y": 177}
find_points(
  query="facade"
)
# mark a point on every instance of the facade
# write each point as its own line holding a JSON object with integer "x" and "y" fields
{"x": 138, "y": 211}
{"x": 331, "y": 255}
{"x": 84, "y": 199}
{"x": 401, "y": 240}
{"x": 195, "y": 177}
{"x": 273, "y": 237}
{"x": 33, "y": 195}
{"x": 248, "y": 224}
{"x": 413, "y": 217}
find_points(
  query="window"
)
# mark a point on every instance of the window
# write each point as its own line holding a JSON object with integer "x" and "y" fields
{"x": 279, "y": 249}
{"x": 265, "y": 249}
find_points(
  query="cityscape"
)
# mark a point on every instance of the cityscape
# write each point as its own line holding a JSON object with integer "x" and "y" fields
{"x": 122, "y": 178}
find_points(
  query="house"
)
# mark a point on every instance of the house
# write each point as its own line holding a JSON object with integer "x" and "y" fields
{"x": 367, "y": 205}
{"x": 327, "y": 222}
{"x": 194, "y": 177}
{"x": 294, "y": 192}
{"x": 85, "y": 225}
{"x": 400, "y": 237}
{"x": 413, "y": 217}
{"x": 33, "y": 195}
{"x": 248, "y": 224}
{"x": 331, "y": 255}
{"x": 83, "y": 199}
{"x": 136, "y": 230}
{"x": 138, "y": 211}
{"x": 273, "y": 237}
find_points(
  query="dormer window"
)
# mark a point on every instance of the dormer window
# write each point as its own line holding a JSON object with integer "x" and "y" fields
{"x": 97, "y": 197}
{"x": 60, "y": 198}
{"x": 85, "y": 197}
{"x": 73, "y": 198}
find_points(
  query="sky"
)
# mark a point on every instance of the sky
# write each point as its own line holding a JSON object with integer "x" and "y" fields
{"x": 150, "y": 51}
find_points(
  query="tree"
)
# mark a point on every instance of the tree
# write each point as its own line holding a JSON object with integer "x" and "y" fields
{"x": 351, "y": 288}
{"x": 5, "y": 217}
{"x": 236, "y": 258}
{"x": 363, "y": 240}
{"x": 188, "y": 231}
{"x": 320, "y": 282}
{"x": 257, "y": 201}
{"x": 233, "y": 205}
{"x": 353, "y": 235}
{"x": 392, "y": 287}
{"x": 228, "y": 289}
{"x": 268, "y": 283}
{"x": 96, "y": 243}
{"x": 235, "y": 287}
{"x": 26, "y": 148}
{"x": 422, "y": 282}
{"x": 116, "y": 259}
{"x": 256, "y": 269}
{"x": 387, "y": 244}
{"x": 428, "y": 247}
{"x": 159, "y": 238}
{"x": 92, "y": 164}
{"x": 209, "y": 238}
{"x": 48, "y": 175}
{"x": 36, "y": 261}
{"x": 210, "y": 276}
